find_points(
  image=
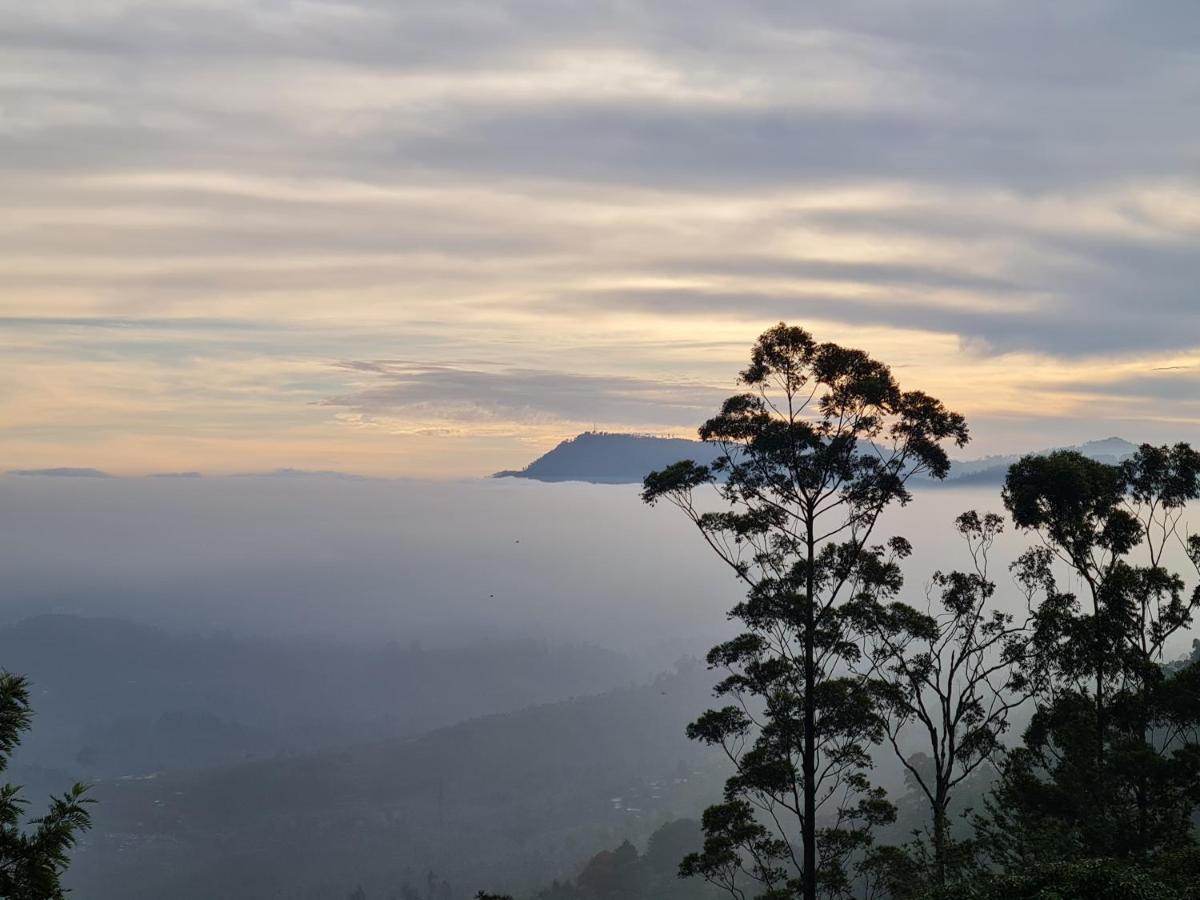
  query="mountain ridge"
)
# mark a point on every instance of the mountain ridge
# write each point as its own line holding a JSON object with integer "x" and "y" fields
{"x": 614, "y": 458}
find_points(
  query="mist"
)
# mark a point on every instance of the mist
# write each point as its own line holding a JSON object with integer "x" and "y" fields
{"x": 376, "y": 560}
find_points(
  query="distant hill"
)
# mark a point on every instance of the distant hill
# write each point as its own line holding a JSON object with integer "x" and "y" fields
{"x": 611, "y": 458}
{"x": 62, "y": 472}
{"x": 118, "y": 698}
{"x": 991, "y": 470}
{"x": 603, "y": 458}
{"x": 524, "y": 796}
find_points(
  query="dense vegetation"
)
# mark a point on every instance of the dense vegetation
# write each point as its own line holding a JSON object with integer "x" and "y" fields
{"x": 1100, "y": 796}
{"x": 33, "y": 852}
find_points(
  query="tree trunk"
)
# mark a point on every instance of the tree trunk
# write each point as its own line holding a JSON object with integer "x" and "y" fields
{"x": 810, "y": 741}
{"x": 940, "y": 833}
{"x": 1097, "y": 625}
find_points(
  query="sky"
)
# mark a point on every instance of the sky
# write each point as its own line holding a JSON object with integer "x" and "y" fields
{"x": 431, "y": 238}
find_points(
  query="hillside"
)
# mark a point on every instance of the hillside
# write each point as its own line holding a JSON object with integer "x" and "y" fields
{"x": 611, "y": 458}
{"x": 508, "y": 800}
{"x": 116, "y": 698}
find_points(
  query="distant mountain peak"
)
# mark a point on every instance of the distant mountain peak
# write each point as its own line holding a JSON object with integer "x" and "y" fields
{"x": 1109, "y": 446}
{"x": 606, "y": 458}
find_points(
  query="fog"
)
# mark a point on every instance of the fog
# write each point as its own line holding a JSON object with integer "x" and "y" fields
{"x": 283, "y": 659}
{"x": 378, "y": 560}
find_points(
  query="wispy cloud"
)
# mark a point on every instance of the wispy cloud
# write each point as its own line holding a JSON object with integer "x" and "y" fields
{"x": 416, "y": 392}
{"x": 564, "y": 212}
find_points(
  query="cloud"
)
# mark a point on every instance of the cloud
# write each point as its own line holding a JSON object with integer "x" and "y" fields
{"x": 1178, "y": 386}
{"x": 571, "y": 211}
{"x": 524, "y": 396}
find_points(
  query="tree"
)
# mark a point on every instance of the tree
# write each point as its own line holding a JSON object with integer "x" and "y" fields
{"x": 33, "y": 858}
{"x": 952, "y": 670}
{"x": 611, "y": 874}
{"x": 660, "y": 863}
{"x": 1110, "y": 766}
{"x": 822, "y": 441}
{"x": 1175, "y": 876}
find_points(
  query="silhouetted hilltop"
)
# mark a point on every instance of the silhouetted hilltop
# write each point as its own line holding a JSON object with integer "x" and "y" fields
{"x": 627, "y": 458}
{"x": 611, "y": 458}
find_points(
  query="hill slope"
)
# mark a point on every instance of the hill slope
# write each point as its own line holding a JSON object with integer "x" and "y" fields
{"x": 611, "y": 458}
{"x": 116, "y": 698}
{"x": 508, "y": 800}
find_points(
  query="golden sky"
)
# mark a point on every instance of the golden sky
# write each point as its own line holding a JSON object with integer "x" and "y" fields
{"x": 433, "y": 238}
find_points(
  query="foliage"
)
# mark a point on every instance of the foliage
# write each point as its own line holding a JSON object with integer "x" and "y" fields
{"x": 33, "y": 858}
{"x": 822, "y": 441}
{"x": 623, "y": 874}
{"x": 1170, "y": 877}
{"x": 1110, "y": 765}
{"x": 950, "y": 670}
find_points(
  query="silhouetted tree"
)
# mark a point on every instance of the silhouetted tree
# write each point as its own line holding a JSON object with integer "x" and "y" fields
{"x": 611, "y": 874}
{"x": 33, "y": 858}
{"x": 952, "y": 670}
{"x": 810, "y": 456}
{"x": 1110, "y": 765}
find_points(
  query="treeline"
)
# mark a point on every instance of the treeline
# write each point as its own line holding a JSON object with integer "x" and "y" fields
{"x": 831, "y": 667}
{"x": 624, "y": 874}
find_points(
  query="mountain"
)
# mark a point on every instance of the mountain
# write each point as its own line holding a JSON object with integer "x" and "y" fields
{"x": 603, "y": 458}
{"x": 990, "y": 470}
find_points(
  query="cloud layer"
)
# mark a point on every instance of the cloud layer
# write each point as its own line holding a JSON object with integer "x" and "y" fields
{"x": 567, "y": 213}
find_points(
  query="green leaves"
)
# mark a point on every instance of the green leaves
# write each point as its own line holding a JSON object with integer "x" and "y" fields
{"x": 1169, "y": 476}
{"x": 33, "y": 858}
{"x": 679, "y": 478}
{"x": 15, "y": 713}
{"x": 1075, "y": 500}
{"x": 1110, "y": 763}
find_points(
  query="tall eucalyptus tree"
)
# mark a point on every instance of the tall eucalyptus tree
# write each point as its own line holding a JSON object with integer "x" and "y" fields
{"x": 811, "y": 453}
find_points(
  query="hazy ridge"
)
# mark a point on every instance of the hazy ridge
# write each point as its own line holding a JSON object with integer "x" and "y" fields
{"x": 603, "y": 458}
